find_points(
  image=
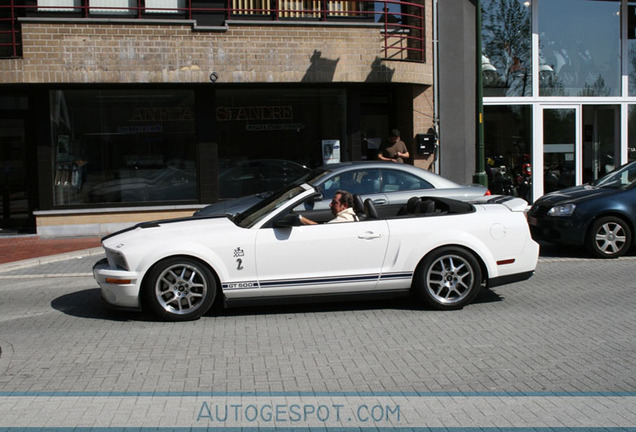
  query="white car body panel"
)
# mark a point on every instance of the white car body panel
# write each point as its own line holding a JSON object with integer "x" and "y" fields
{"x": 261, "y": 261}
{"x": 338, "y": 257}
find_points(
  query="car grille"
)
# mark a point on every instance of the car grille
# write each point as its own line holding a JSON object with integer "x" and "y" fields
{"x": 539, "y": 211}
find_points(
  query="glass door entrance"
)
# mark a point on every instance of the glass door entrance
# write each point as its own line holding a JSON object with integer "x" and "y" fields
{"x": 601, "y": 140}
{"x": 560, "y": 147}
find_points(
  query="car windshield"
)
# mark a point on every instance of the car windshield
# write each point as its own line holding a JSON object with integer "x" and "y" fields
{"x": 622, "y": 177}
{"x": 314, "y": 176}
{"x": 251, "y": 216}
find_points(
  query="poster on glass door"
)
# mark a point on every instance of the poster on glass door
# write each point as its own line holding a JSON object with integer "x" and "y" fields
{"x": 330, "y": 151}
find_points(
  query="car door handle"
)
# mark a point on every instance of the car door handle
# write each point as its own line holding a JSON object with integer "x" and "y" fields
{"x": 369, "y": 235}
{"x": 379, "y": 201}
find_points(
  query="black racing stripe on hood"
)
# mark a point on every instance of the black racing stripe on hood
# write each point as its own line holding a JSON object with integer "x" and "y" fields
{"x": 158, "y": 223}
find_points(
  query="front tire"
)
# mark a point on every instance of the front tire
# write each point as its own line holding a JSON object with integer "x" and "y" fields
{"x": 180, "y": 289}
{"x": 609, "y": 237}
{"x": 448, "y": 278}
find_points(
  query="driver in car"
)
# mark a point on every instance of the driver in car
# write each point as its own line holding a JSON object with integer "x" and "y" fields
{"x": 341, "y": 207}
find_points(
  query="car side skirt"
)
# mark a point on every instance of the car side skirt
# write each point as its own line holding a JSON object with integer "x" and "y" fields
{"x": 315, "y": 298}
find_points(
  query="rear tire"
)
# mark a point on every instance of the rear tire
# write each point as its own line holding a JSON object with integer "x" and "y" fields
{"x": 609, "y": 237}
{"x": 180, "y": 289}
{"x": 448, "y": 278}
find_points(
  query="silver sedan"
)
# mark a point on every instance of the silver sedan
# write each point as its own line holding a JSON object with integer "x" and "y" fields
{"x": 386, "y": 184}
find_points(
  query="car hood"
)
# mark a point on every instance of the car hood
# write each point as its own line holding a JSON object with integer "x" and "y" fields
{"x": 232, "y": 206}
{"x": 575, "y": 195}
{"x": 149, "y": 242}
{"x": 169, "y": 228}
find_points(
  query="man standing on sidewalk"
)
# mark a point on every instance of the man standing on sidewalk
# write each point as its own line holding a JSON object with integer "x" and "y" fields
{"x": 393, "y": 149}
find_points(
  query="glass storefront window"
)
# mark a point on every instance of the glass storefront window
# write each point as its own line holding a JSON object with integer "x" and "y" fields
{"x": 631, "y": 48}
{"x": 508, "y": 149}
{"x": 601, "y": 140}
{"x": 579, "y": 43}
{"x": 267, "y": 138}
{"x": 631, "y": 134}
{"x": 507, "y": 48}
{"x": 559, "y": 148}
{"x": 123, "y": 146}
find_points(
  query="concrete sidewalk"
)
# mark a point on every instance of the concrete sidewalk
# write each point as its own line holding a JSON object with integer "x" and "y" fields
{"x": 19, "y": 251}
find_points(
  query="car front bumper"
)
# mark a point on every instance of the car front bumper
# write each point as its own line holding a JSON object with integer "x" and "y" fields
{"x": 120, "y": 288}
{"x": 561, "y": 230}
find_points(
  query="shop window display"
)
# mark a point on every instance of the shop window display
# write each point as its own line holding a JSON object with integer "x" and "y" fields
{"x": 508, "y": 150}
{"x": 114, "y": 147}
{"x": 264, "y": 130}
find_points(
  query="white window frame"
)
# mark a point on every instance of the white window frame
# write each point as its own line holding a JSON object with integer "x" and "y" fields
{"x": 165, "y": 6}
{"x": 59, "y": 5}
{"x": 113, "y": 7}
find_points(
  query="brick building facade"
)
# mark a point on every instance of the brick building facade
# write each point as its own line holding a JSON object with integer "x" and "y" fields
{"x": 95, "y": 102}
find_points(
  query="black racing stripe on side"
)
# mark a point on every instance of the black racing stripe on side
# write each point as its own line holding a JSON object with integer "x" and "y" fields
{"x": 408, "y": 275}
{"x": 316, "y": 281}
{"x": 319, "y": 280}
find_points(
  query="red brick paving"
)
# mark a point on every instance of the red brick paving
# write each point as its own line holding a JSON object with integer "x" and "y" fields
{"x": 16, "y": 248}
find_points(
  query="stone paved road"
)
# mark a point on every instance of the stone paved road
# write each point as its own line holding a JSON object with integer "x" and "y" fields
{"x": 568, "y": 329}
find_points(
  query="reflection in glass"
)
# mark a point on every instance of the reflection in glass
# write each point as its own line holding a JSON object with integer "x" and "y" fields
{"x": 14, "y": 173}
{"x": 631, "y": 47}
{"x": 599, "y": 141}
{"x": 559, "y": 147}
{"x": 114, "y": 146}
{"x": 259, "y": 175}
{"x": 579, "y": 43}
{"x": 631, "y": 134}
{"x": 254, "y": 124}
{"x": 507, "y": 43}
{"x": 508, "y": 141}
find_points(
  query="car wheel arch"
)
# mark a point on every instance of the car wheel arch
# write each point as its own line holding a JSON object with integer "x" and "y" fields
{"x": 629, "y": 223}
{"x": 143, "y": 299}
{"x": 440, "y": 277}
{"x": 482, "y": 265}
{"x": 470, "y": 243}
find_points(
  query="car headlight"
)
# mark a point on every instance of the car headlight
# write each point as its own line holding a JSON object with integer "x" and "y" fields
{"x": 562, "y": 210}
{"x": 116, "y": 259}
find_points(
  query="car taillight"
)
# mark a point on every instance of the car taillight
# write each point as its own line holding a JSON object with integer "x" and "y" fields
{"x": 487, "y": 192}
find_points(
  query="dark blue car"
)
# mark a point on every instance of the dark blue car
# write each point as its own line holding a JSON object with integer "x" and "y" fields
{"x": 599, "y": 215}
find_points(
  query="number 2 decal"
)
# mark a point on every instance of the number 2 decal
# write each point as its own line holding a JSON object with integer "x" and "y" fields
{"x": 238, "y": 252}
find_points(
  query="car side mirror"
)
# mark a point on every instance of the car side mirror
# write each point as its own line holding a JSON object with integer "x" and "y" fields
{"x": 287, "y": 221}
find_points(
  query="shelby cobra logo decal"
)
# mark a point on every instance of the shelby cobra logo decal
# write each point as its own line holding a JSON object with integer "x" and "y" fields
{"x": 238, "y": 254}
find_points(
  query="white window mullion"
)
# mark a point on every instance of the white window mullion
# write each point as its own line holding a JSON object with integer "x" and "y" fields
{"x": 536, "y": 81}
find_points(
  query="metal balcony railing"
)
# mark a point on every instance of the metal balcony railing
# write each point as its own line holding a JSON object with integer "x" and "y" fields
{"x": 402, "y": 22}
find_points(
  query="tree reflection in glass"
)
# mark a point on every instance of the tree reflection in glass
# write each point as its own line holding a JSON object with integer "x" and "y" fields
{"x": 507, "y": 48}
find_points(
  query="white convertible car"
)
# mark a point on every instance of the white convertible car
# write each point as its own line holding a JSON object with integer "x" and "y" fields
{"x": 441, "y": 249}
